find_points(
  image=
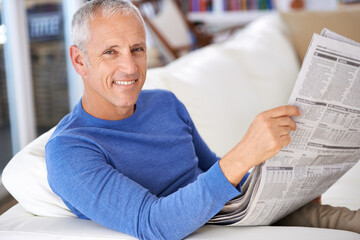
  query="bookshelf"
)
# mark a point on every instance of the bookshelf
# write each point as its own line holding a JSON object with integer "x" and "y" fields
{"x": 227, "y": 19}
{"x": 226, "y": 13}
{"x": 221, "y": 6}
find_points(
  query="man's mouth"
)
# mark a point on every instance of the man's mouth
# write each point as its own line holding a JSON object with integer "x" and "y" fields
{"x": 124, "y": 83}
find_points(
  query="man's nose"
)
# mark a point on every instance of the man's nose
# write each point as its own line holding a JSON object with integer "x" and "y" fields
{"x": 127, "y": 64}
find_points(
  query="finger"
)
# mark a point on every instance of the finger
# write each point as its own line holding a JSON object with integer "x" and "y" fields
{"x": 285, "y": 140}
{"x": 283, "y": 111}
{"x": 286, "y": 122}
{"x": 284, "y": 131}
{"x": 317, "y": 200}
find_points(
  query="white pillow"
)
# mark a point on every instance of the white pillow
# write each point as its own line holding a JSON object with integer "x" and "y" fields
{"x": 25, "y": 177}
{"x": 224, "y": 86}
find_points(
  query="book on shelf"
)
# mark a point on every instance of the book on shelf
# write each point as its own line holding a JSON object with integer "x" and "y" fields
{"x": 349, "y": 1}
{"x": 190, "y": 6}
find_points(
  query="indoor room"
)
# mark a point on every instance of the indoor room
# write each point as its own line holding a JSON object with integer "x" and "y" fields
{"x": 227, "y": 65}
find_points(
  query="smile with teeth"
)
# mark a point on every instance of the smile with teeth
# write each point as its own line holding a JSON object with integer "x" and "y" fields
{"x": 124, "y": 82}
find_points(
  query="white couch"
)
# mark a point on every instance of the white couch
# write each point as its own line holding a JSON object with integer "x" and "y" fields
{"x": 223, "y": 87}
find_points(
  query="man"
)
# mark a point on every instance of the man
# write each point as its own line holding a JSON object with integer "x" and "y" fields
{"x": 133, "y": 160}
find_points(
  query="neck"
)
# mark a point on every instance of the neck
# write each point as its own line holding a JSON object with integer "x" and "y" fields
{"x": 106, "y": 112}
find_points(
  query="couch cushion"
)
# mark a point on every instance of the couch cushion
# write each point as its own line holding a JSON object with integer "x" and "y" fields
{"x": 25, "y": 177}
{"x": 303, "y": 24}
{"x": 17, "y": 224}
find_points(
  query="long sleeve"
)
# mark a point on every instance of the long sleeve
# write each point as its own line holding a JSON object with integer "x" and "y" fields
{"x": 80, "y": 174}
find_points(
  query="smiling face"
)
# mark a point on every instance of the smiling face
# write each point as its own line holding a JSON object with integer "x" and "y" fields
{"x": 115, "y": 70}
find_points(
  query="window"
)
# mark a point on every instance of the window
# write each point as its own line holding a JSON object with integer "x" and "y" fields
{"x": 48, "y": 62}
{"x": 5, "y": 135}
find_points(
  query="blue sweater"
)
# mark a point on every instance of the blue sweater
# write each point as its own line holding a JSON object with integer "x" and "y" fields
{"x": 149, "y": 175}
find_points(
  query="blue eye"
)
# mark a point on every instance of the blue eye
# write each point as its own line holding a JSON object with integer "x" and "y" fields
{"x": 140, "y": 49}
{"x": 109, "y": 52}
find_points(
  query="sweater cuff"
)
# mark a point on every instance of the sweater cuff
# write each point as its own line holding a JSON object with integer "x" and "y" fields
{"x": 218, "y": 183}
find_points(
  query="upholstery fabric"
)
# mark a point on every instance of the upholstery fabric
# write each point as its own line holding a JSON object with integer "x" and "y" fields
{"x": 18, "y": 224}
{"x": 25, "y": 177}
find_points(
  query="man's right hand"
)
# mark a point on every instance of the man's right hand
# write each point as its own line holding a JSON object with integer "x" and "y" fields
{"x": 266, "y": 136}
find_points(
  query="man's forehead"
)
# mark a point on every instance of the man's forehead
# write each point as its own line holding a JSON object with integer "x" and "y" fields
{"x": 109, "y": 30}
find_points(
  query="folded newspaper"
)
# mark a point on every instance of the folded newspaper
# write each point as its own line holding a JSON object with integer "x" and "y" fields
{"x": 325, "y": 145}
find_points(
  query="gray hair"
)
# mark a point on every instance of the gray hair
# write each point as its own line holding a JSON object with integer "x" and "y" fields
{"x": 80, "y": 32}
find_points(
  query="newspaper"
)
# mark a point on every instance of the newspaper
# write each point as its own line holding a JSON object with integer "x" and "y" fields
{"x": 325, "y": 145}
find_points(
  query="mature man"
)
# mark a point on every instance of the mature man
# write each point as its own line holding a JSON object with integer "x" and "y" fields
{"x": 133, "y": 160}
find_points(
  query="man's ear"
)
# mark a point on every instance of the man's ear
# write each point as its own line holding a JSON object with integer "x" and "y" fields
{"x": 78, "y": 60}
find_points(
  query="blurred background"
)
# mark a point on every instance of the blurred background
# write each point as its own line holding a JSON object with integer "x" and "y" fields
{"x": 37, "y": 84}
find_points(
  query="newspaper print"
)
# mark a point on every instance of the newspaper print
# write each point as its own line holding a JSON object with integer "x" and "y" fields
{"x": 325, "y": 145}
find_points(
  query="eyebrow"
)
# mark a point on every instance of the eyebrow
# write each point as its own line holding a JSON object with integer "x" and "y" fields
{"x": 139, "y": 44}
{"x": 112, "y": 46}
{"x": 135, "y": 45}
